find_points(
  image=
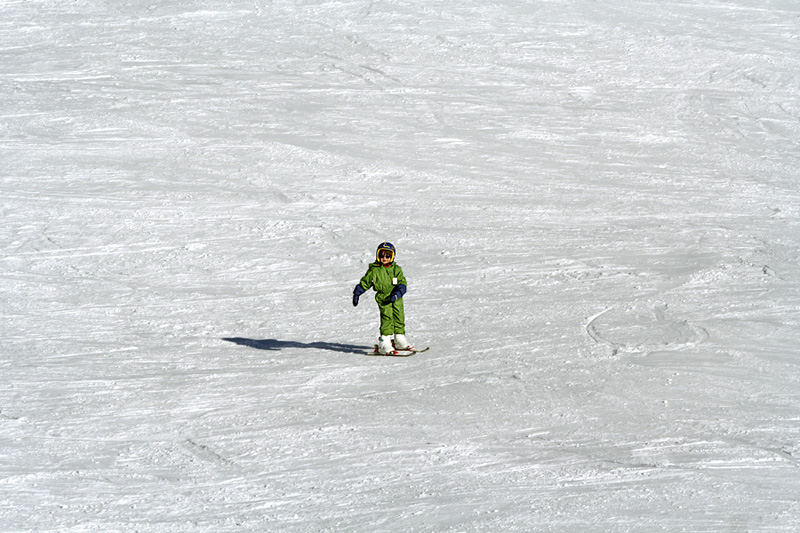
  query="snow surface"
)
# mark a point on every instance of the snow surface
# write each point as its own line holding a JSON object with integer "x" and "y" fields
{"x": 596, "y": 204}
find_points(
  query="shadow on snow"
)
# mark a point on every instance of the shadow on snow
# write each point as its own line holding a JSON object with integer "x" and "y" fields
{"x": 274, "y": 344}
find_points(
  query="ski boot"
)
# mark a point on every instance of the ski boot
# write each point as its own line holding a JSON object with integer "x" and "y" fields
{"x": 401, "y": 343}
{"x": 385, "y": 347}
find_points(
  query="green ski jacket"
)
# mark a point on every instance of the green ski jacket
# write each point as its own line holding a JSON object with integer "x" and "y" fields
{"x": 383, "y": 280}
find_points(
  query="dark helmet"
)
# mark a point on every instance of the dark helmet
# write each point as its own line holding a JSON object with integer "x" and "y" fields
{"x": 384, "y": 247}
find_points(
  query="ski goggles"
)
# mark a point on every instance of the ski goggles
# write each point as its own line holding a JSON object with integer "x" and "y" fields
{"x": 385, "y": 252}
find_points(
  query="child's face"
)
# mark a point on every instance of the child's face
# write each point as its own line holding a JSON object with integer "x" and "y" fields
{"x": 385, "y": 257}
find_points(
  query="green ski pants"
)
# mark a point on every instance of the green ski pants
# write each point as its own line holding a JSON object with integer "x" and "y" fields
{"x": 393, "y": 319}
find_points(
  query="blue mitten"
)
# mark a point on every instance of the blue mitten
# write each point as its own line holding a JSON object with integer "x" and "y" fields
{"x": 357, "y": 292}
{"x": 397, "y": 293}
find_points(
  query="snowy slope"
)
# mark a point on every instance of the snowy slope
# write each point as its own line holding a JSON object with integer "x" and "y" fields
{"x": 595, "y": 203}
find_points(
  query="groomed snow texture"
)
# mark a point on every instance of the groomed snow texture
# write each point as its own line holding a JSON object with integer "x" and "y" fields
{"x": 596, "y": 204}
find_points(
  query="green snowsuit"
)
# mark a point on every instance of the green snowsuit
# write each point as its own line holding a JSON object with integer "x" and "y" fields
{"x": 383, "y": 280}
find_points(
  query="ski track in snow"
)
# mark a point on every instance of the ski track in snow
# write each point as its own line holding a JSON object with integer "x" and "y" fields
{"x": 595, "y": 204}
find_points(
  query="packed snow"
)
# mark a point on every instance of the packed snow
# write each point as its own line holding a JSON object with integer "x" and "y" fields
{"x": 596, "y": 204}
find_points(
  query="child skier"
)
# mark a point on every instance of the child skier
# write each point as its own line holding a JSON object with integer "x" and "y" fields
{"x": 386, "y": 277}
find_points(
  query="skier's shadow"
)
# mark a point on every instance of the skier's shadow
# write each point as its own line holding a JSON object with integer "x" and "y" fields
{"x": 275, "y": 344}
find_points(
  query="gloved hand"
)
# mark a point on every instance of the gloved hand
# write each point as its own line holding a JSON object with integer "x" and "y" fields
{"x": 357, "y": 292}
{"x": 397, "y": 293}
